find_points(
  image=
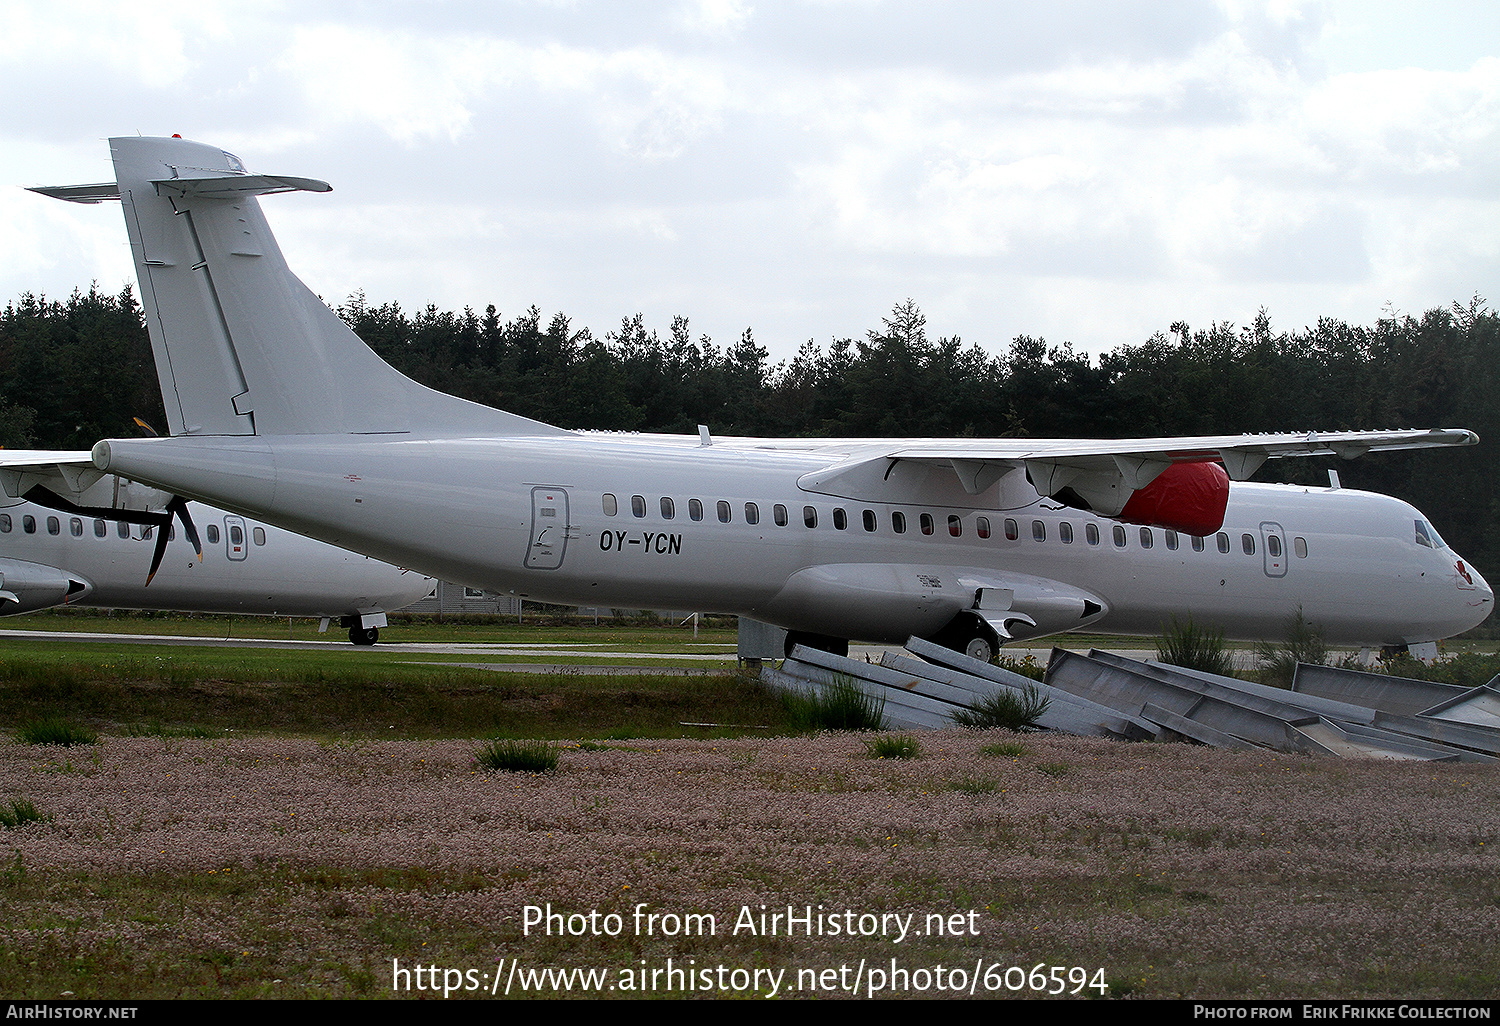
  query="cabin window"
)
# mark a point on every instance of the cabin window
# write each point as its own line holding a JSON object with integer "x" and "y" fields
{"x": 1038, "y": 531}
{"x": 4, "y": 523}
{"x": 1091, "y": 533}
{"x": 955, "y": 525}
{"x": 1223, "y": 540}
{"x": 1273, "y": 545}
{"x": 28, "y": 524}
{"x": 1147, "y": 538}
{"x": 695, "y": 509}
{"x": 1119, "y": 533}
{"x": 1012, "y": 529}
{"x": 1197, "y": 543}
{"x": 100, "y": 530}
{"x": 1247, "y": 542}
{"x": 122, "y": 529}
{"x": 259, "y": 534}
{"x": 611, "y": 507}
{"x": 213, "y": 534}
{"x": 982, "y": 526}
{"x": 637, "y": 505}
{"x": 1172, "y": 540}
{"x": 1065, "y": 533}
{"x": 668, "y": 508}
{"x": 926, "y": 521}
{"x": 1299, "y": 546}
{"x": 840, "y": 519}
{"x": 75, "y": 527}
{"x": 809, "y": 516}
{"x": 778, "y": 513}
{"x": 722, "y": 507}
{"x": 868, "y": 517}
{"x": 54, "y": 526}
{"x": 898, "y": 522}
{"x": 752, "y": 513}
{"x": 236, "y": 534}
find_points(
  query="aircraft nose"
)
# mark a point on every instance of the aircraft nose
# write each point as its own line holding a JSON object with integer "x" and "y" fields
{"x": 1475, "y": 592}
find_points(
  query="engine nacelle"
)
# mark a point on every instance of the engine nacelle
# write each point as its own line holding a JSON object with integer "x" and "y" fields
{"x": 26, "y": 587}
{"x": 1186, "y": 497}
{"x": 893, "y": 601}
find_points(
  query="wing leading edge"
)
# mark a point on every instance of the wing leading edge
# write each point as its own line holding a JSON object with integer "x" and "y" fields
{"x": 1125, "y": 478}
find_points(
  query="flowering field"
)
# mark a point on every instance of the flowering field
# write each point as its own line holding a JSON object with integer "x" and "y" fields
{"x": 249, "y": 866}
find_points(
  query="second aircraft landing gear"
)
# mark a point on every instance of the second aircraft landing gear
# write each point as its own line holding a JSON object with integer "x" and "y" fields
{"x": 363, "y": 635}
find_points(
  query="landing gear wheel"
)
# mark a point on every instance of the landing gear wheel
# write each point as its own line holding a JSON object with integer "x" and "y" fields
{"x": 969, "y": 635}
{"x": 363, "y": 635}
{"x": 980, "y": 648}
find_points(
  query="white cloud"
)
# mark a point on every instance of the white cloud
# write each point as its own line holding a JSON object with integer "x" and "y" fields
{"x": 801, "y": 166}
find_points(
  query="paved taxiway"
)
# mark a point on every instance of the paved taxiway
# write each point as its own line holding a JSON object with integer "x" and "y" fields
{"x": 655, "y": 662}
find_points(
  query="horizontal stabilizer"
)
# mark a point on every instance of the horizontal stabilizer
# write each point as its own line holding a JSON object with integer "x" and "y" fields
{"x": 79, "y": 193}
{"x": 236, "y": 186}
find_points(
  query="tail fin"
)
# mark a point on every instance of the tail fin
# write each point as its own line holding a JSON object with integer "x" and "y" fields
{"x": 242, "y": 346}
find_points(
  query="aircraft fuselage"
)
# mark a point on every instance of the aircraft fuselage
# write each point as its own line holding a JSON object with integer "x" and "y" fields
{"x": 607, "y": 520}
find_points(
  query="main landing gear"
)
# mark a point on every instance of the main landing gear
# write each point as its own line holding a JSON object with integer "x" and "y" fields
{"x": 971, "y": 636}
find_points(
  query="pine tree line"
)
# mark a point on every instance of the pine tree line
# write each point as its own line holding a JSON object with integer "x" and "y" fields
{"x": 74, "y": 371}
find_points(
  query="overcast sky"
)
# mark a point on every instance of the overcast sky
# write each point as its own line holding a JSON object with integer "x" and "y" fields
{"x": 1088, "y": 172}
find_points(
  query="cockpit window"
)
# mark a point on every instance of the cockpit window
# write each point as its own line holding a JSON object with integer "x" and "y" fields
{"x": 1422, "y": 538}
{"x": 1437, "y": 539}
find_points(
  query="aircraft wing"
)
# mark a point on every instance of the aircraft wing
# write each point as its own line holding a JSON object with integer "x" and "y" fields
{"x": 1241, "y": 455}
{"x": 64, "y": 472}
{"x": 1107, "y": 475}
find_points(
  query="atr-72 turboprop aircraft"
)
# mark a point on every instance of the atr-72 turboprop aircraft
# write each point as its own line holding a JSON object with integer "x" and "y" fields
{"x": 278, "y": 410}
{"x": 106, "y": 550}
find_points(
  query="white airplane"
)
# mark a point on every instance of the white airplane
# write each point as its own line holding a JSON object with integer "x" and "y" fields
{"x": 278, "y": 410}
{"x": 105, "y": 546}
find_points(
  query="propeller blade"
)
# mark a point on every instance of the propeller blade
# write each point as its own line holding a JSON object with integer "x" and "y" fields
{"x": 179, "y": 504}
{"x": 163, "y": 533}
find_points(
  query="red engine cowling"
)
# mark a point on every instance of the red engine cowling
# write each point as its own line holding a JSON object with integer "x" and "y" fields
{"x": 1187, "y": 497}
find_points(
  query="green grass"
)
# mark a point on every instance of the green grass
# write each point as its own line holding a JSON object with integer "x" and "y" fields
{"x": 54, "y": 730}
{"x": 1193, "y": 647}
{"x": 1005, "y": 709}
{"x": 19, "y": 812}
{"x": 974, "y": 787}
{"x": 516, "y": 756}
{"x": 202, "y": 692}
{"x": 894, "y": 746}
{"x": 840, "y": 705}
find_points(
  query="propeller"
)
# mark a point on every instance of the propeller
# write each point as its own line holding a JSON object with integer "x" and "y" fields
{"x": 162, "y": 521}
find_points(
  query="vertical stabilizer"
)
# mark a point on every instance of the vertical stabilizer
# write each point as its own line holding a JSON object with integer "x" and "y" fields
{"x": 242, "y": 346}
